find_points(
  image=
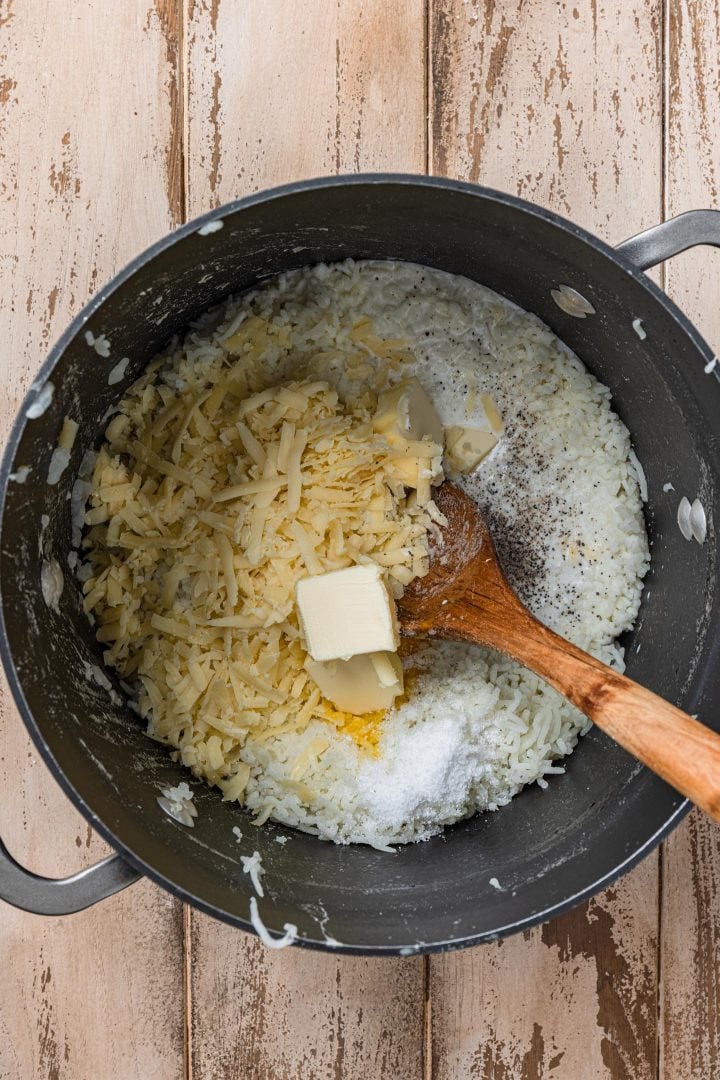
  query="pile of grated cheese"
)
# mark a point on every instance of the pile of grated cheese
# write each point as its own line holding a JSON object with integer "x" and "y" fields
{"x": 213, "y": 494}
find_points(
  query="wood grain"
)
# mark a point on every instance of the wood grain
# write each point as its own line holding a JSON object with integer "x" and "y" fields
{"x": 277, "y": 92}
{"x": 296, "y": 1014}
{"x": 88, "y": 175}
{"x": 558, "y": 103}
{"x": 690, "y": 941}
{"x": 693, "y": 157}
{"x": 288, "y": 89}
{"x": 561, "y": 104}
{"x": 572, "y": 999}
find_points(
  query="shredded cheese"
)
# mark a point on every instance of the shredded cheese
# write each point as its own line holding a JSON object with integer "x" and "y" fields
{"x": 211, "y": 496}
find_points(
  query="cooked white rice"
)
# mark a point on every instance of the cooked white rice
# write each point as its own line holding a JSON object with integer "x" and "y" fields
{"x": 562, "y": 496}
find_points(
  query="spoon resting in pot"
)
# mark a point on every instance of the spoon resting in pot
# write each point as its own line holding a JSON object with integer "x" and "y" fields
{"x": 466, "y": 596}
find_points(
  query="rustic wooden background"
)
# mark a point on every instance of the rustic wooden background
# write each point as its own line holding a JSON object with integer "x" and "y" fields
{"x": 117, "y": 122}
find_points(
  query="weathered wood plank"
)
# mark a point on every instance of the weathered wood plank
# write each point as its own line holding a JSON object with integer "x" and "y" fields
{"x": 693, "y": 157}
{"x": 558, "y": 103}
{"x": 280, "y": 91}
{"x": 690, "y": 953}
{"x": 561, "y": 104}
{"x": 279, "y": 1016}
{"x": 575, "y": 998}
{"x": 284, "y": 90}
{"x": 89, "y": 174}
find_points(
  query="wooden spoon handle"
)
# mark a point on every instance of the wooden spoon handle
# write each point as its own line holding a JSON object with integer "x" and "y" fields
{"x": 674, "y": 745}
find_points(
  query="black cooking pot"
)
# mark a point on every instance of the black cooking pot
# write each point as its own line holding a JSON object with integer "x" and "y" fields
{"x": 548, "y": 850}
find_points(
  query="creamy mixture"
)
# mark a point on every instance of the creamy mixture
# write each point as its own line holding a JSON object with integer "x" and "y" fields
{"x": 202, "y": 521}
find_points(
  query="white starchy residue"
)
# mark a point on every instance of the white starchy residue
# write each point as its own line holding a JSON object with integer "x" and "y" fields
{"x": 640, "y": 472}
{"x": 21, "y": 474}
{"x": 711, "y": 365}
{"x": 323, "y": 919}
{"x": 117, "y": 374}
{"x": 78, "y": 498}
{"x": 683, "y": 518}
{"x": 95, "y": 674}
{"x": 41, "y": 402}
{"x": 100, "y": 344}
{"x": 281, "y": 839}
{"x": 494, "y": 882}
{"x": 668, "y": 487}
{"x": 51, "y": 583}
{"x": 237, "y": 833}
{"x": 60, "y": 458}
{"x": 264, "y": 934}
{"x": 72, "y": 559}
{"x": 211, "y": 227}
{"x": 698, "y": 522}
{"x": 639, "y": 329}
{"x": 59, "y": 462}
{"x": 177, "y": 802}
{"x": 252, "y": 865}
{"x": 87, "y": 464}
{"x": 44, "y": 521}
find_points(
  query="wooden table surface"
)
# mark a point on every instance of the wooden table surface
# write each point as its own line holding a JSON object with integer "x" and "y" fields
{"x": 117, "y": 122}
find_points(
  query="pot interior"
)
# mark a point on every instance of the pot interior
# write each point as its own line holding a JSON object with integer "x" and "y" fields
{"x": 545, "y": 848}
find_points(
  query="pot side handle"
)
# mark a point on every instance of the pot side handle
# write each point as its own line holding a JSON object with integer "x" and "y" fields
{"x": 671, "y": 237}
{"x": 62, "y": 896}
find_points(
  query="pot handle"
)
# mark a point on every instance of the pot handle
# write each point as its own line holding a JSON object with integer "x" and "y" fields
{"x": 671, "y": 237}
{"x": 62, "y": 896}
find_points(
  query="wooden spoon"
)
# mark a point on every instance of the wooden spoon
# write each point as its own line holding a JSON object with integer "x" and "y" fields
{"x": 465, "y": 595}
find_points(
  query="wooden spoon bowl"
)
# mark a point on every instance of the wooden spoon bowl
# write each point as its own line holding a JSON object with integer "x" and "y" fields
{"x": 466, "y": 596}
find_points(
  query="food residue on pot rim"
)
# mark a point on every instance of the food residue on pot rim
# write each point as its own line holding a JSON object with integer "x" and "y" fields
{"x": 691, "y": 520}
{"x": 264, "y": 934}
{"x": 41, "y": 403}
{"x": 252, "y": 865}
{"x": 21, "y": 474}
{"x": 100, "y": 344}
{"x": 60, "y": 458}
{"x": 51, "y": 583}
{"x": 211, "y": 227}
{"x": 178, "y": 803}
{"x": 117, "y": 374}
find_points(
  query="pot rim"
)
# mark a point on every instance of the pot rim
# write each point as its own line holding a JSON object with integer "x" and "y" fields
{"x": 91, "y": 307}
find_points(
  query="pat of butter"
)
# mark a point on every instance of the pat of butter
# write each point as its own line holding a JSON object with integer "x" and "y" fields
{"x": 361, "y": 684}
{"x": 347, "y": 613}
{"x": 406, "y": 412}
{"x": 466, "y": 447}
